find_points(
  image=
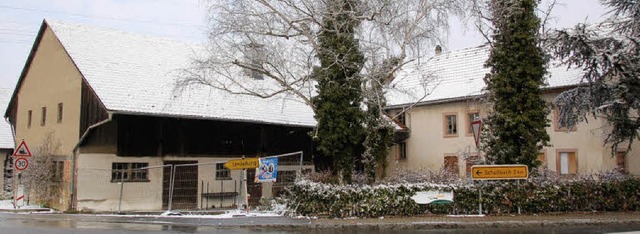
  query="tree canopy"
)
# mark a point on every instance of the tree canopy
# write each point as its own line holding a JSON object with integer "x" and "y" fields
{"x": 609, "y": 54}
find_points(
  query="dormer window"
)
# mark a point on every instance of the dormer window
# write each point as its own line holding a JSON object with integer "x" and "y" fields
{"x": 254, "y": 59}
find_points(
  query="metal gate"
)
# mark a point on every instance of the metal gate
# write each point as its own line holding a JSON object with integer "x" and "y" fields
{"x": 185, "y": 185}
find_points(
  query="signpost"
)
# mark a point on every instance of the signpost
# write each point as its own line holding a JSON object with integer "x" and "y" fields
{"x": 22, "y": 150}
{"x": 21, "y": 164}
{"x": 239, "y": 164}
{"x": 268, "y": 170}
{"x": 499, "y": 172}
{"x": 475, "y": 126}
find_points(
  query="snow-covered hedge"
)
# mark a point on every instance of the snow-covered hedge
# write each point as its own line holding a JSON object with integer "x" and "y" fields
{"x": 532, "y": 196}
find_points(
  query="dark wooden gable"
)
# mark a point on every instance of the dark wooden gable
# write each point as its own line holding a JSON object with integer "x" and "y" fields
{"x": 92, "y": 111}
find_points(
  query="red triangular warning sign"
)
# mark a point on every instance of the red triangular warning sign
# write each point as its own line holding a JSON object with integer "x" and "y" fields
{"x": 22, "y": 150}
{"x": 475, "y": 126}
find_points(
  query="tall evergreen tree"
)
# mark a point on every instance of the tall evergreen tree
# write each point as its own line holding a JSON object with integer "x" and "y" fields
{"x": 516, "y": 125}
{"x": 339, "y": 132}
{"x": 609, "y": 53}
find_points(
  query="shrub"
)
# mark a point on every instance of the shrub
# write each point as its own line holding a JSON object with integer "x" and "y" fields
{"x": 539, "y": 194}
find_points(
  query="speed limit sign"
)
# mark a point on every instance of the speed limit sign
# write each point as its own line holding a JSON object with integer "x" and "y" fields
{"x": 21, "y": 164}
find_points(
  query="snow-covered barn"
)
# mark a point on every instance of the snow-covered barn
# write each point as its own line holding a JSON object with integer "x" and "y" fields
{"x": 107, "y": 99}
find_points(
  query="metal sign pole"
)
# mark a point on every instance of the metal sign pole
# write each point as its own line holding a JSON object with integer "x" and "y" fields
{"x": 171, "y": 181}
{"x": 121, "y": 188}
{"x": 480, "y": 198}
{"x": 301, "y": 158}
{"x": 518, "y": 191}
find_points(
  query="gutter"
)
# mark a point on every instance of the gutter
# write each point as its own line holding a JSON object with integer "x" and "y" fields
{"x": 74, "y": 153}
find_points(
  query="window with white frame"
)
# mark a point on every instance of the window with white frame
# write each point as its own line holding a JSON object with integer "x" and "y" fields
{"x": 567, "y": 162}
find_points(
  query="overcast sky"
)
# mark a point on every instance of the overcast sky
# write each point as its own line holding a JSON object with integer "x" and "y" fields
{"x": 180, "y": 19}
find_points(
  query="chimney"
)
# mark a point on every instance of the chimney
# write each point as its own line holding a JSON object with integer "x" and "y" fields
{"x": 438, "y": 50}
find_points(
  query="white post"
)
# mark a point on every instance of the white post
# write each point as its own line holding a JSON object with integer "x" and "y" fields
{"x": 480, "y": 199}
{"x": 121, "y": 187}
{"x": 171, "y": 180}
{"x": 519, "y": 202}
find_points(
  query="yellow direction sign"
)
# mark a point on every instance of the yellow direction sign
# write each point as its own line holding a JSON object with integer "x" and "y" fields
{"x": 499, "y": 172}
{"x": 239, "y": 164}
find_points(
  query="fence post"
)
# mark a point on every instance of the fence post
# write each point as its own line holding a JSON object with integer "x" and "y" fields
{"x": 301, "y": 158}
{"x": 121, "y": 188}
{"x": 171, "y": 181}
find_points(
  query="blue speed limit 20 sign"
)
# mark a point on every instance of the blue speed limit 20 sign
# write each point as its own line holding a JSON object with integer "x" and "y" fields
{"x": 21, "y": 164}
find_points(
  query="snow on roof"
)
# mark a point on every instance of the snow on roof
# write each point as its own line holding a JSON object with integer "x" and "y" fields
{"x": 6, "y": 135}
{"x": 136, "y": 74}
{"x": 458, "y": 74}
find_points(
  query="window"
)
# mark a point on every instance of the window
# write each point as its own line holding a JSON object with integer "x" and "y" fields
{"x": 451, "y": 164}
{"x": 401, "y": 119}
{"x": 556, "y": 123}
{"x": 450, "y": 125}
{"x": 60, "y": 107}
{"x": 130, "y": 172}
{"x": 470, "y": 118}
{"x": 621, "y": 162}
{"x": 542, "y": 157}
{"x": 222, "y": 173}
{"x": 43, "y": 121}
{"x": 402, "y": 151}
{"x": 29, "y": 114}
{"x": 255, "y": 58}
{"x": 567, "y": 162}
{"x": 58, "y": 170}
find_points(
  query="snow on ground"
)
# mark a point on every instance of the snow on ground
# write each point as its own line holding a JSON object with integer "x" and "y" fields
{"x": 8, "y": 205}
{"x": 227, "y": 215}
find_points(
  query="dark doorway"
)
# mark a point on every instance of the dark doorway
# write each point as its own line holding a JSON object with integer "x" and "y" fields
{"x": 185, "y": 185}
{"x": 254, "y": 189}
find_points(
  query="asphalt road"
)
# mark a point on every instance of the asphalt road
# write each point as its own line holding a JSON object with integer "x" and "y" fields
{"x": 97, "y": 224}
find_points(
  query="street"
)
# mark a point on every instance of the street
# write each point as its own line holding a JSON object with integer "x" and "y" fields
{"x": 98, "y": 224}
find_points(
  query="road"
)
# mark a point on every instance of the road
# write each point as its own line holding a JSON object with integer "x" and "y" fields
{"x": 99, "y": 224}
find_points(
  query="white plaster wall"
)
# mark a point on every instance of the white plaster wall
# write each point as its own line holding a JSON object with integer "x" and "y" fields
{"x": 97, "y": 192}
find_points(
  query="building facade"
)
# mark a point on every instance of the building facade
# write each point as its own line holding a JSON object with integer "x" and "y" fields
{"x": 440, "y": 122}
{"x": 101, "y": 105}
{"x": 6, "y": 149}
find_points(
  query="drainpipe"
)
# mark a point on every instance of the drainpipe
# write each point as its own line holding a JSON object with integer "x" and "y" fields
{"x": 74, "y": 154}
{"x": 14, "y": 185}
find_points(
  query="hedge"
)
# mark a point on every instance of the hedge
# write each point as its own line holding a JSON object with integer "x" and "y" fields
{"x": 498, "y": 197}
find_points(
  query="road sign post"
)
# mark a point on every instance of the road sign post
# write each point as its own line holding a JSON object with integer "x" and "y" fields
{"x": 22, "y": 150}
{"x": 499, "y": 172}
{"x": 245, "y": 163}
{"x": 476, "y": 127}
{"x": 21, "y": 164}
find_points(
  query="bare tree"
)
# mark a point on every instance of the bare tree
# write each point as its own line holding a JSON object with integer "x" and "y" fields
{"x": 267, "y": 48}
{"x": 38, "y": 179}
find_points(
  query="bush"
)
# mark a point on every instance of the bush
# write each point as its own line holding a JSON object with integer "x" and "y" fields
{"x": 535, "y": 195}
